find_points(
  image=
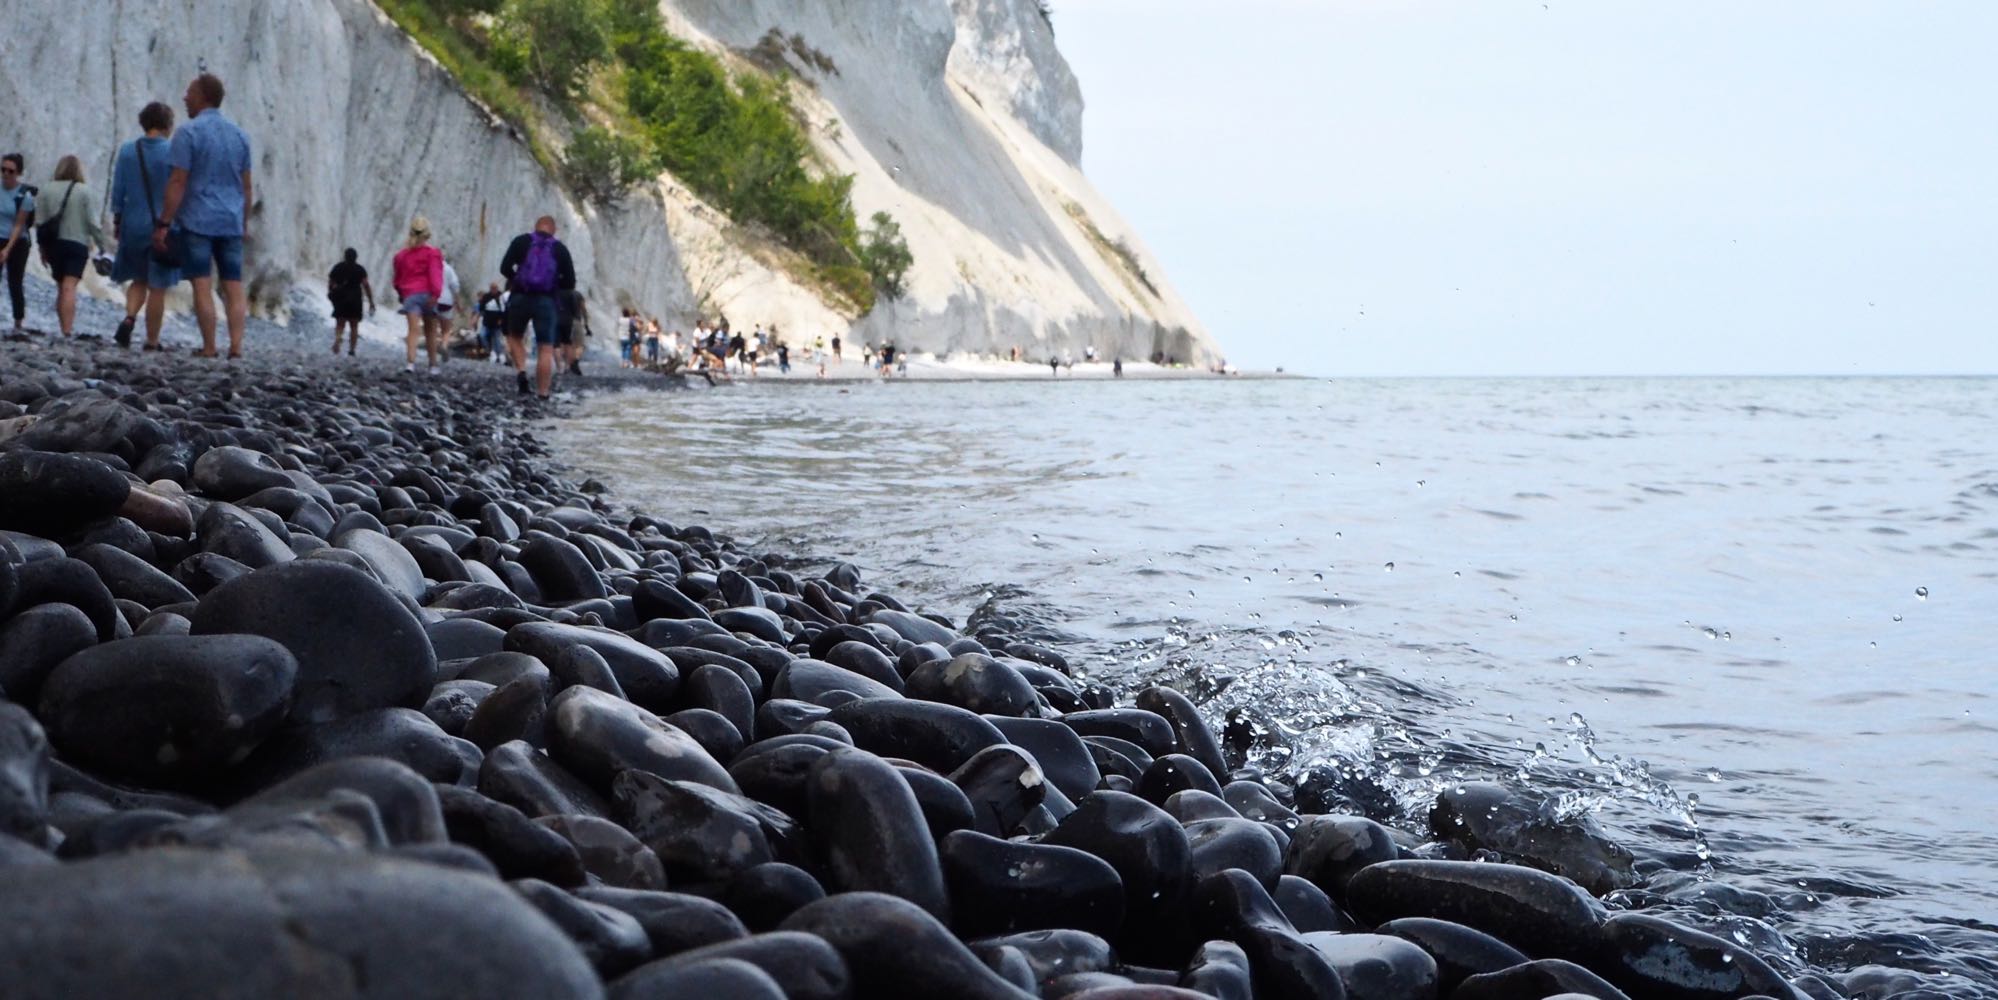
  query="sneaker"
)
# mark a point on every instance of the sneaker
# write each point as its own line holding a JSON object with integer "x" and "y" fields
{"x": 575, "y": 368}
{"x": 434, "y": 372}
{"x": 124, "y": 334}
{"x": 521, "y": 379}
{"x": 409, "y": 369}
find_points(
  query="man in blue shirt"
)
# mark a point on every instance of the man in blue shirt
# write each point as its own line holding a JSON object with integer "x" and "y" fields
{"x": 207, "y": 204}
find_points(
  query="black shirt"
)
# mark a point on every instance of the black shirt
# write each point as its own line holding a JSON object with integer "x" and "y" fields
{"x": 343, "y": 283}
{"x": 516, "y": 255}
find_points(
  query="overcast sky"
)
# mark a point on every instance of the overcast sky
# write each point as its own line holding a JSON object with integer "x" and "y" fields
{"x": 1366, "y": 187}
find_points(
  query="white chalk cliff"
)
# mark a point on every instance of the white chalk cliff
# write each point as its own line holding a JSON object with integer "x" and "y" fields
{"x": 958, "y": 117}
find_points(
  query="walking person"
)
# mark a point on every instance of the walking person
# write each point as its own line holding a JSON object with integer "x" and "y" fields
{"x": 17, "y": 202}
{"x": 536, "y": 266}
{"x": 75, "y": 229}
{"x": 835, "y": 348}
{"x": 571, "y": 309}
{"x": 492, "y": 320}
{"x": 138, "y": 188}
{"x": 447, "y": 310}
{"x": 347, "y": 286}
{"x": 419, "y": 281}
{"x": 208, "y": 208}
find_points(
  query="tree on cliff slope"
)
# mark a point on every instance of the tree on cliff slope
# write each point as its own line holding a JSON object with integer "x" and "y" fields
{"x": 553, "y": 43}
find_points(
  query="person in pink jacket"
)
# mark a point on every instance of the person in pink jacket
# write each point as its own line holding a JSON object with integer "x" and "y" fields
{"x": 419, "y": 280}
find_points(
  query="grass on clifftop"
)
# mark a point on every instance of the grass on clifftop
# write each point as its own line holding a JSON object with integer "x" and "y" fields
{"x": 637, "y": 102}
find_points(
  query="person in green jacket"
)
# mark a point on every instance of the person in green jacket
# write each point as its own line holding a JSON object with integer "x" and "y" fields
{"x": 71, "y": 204}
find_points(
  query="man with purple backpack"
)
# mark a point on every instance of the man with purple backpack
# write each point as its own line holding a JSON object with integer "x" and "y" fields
{"x": 537, "y": 267}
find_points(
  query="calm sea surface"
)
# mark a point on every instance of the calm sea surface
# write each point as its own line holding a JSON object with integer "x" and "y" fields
{"x": 1749, "y": 623}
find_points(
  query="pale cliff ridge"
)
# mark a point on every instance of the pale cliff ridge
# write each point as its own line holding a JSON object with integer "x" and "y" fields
{"x": 958, "y": 117}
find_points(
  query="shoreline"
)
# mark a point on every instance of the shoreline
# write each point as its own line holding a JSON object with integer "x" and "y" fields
{"x": 611, "y": 708}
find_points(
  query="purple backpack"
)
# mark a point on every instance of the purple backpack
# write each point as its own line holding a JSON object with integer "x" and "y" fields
{"x": 536, "y": 274}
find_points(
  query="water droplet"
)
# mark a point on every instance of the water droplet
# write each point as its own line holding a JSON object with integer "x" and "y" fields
{"x": 1921, "y": 593}
{"x": 1713, "y": 774}
{"x": 1572, "y": 661}
{"x": 1034, "y": 537}
{"x": 1420, "y": 483}
{"x": 1897, "y": 618}
{"x": 1389, "y": 567}
{"x": 1317, "y": 578}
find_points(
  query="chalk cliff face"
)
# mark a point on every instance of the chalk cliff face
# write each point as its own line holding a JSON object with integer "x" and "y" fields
{"x": 958, "y": 117}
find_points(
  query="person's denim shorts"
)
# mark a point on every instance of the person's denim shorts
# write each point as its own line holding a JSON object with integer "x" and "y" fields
{"x": 135, "y": 263}
{"x": 197, "y": 252}
{"x": 525, "y": 307}
{"x": 423, "y": 304}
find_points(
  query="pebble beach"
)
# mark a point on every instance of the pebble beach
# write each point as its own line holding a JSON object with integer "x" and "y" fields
{"x": 320, "y": 680}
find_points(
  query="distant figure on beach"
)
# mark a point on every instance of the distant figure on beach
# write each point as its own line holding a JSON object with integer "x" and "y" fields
{"x": 653, "y": 341}
{"x": 1054, "y": 366}
{"x": 836, "y": 355}
{"x": 627, "y": 333}
{"x": 347, "y": 286}
{"x": 447, "y": 307}
{"x": 492, "y": 322}
{"x": 736, "y": 345}
{"x": 17, "y": 201}
{"x": 418, "y": 282}
{"x": 76, "y": 229}
{"x": 1014, "y": 353}
{"x": 536, "y": 266}
{"x": 1117, "y": 367}
{"x": 1089, "y": 353}
{"x": 207, "y": 210}
{"x": 783, "y": 358}
{"x": 571, "y": 309}
{"x": 139, "y": 177}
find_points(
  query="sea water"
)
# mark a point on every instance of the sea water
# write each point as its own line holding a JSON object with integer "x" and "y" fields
{"x": 1746, "y": 623}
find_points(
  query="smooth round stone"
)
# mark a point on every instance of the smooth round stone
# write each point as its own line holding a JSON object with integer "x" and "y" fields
{"x": 713, "y": 979}
{"x": 765, "y": 895}
{"x": 738, "y": 590}
{"x": 775, "y": 775}
{"x": 913, "y": 627}
{"x": 1048, "y": 953}
{"x": 1647, "y": 956}
{"x": 1542, "y": 978}
{"x": 231, "y": 532}
{"x": 1191, "y": 804}
{"x": 1003, "y": 784}
{"x": 1459, "y": 951}
{"x": 560, "y": 570}
{"x": 1328, "y": 851}
{"x": 532, "y": 782}
{"x": 583, "y": 666}
{"x": 1149, "y": 851}
{"x": 230, "y": 924}
{"x": 715, "y": 734}
{"x": 691, "y": 658}
{"x": 1286, "y": 967}
{"x": 759, "y": 622}
{"x": 1523, "y": 828}
{"x": 823, "y": 643}
{"x": 49, "y": 493}
{"x": 945, "y": 807}
{"x": 1196, "y": 738}
{"x": 1529, "y": 909}
{"x": 517, "y": 710}
{"x": 67, "y": 581}
{"x": 612, "y": 941}
{"x": 399, "y": 734}
{"x": 157, "y": 511}
{"x": 866, "y": 820}
{"x": 392, "y": 564}
{"x": 33, "y": 642}
{"x": 24, "y": 777}
{"x": 939, "y": 737}
{"x": 1377, "y": 966}
{"x": 405, "y": 801}
{"x": 500, "y": 669}
{"x": 722, "y": 691}
{"x": 812, "y": 680}
{"x": 866, "y": 661}
{"x": 464, "y": 638}
{"x": 1253, "y": 801}
{"x": 656, "y": 599}
{"x": 232, "y": 473}
{"x": 648, "y": 677}
{"x": 1062, "y": 755}
{"x": 131, "y": 578}
{"x": 674, "y": 922}
{"x": 310, "y": 609}
{"x": 1004, "y": 886}
{"x": 515, "y": 845}
{"x": 1307, "y": 907}
{"x": 1220, "y": 844}
{"x": 1147, "y": 730}
{"x": 976, "y": 683}
{"x": 596, "y": 735}
{"x": 893, "y": 948}
{"x": 1219, "y": 969}
{"x": 1172, "y": 773}
{"x": 803, "y": 966}
{"x": 168, "y": 709}
{"x": 701, "y": 833}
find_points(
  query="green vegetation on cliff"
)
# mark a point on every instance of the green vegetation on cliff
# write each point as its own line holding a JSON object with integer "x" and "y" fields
{"x": 638, "y": 101}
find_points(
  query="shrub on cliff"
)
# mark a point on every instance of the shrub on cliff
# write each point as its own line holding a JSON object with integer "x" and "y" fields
{"x": 553, "y": 44}
{"x": 886, "y": 255}
{"x": 603, "y": 166}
